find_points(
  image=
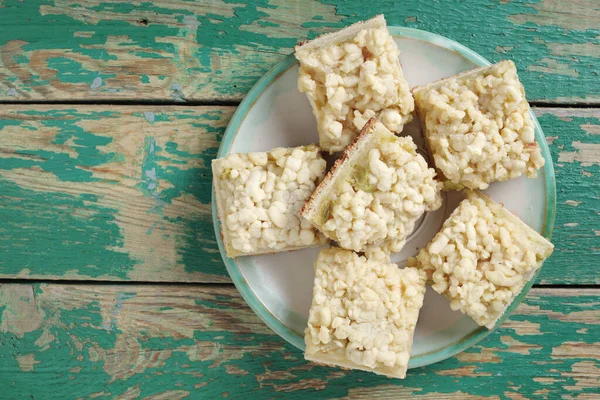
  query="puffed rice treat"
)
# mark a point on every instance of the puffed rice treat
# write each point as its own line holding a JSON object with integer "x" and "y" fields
{"x": 478, "y": 127}
{"x": 353, "y": 75}
{"x": 482, "y": 258}
{"x": 259, "y": 196}
{"x": 375, "y": 192}
{"x": 364, "y": 312}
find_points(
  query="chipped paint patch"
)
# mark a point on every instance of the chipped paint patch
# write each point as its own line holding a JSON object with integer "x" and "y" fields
{"x": 149, "y": 167}
{"x": 575, "y": 49}
{"x": 587, "y": 154}
{"x": 577, "y": 16}
{"x": 20, "y": 311}
{"x": 523, "y": 327}
{"x": 149, "y": 115}
{"x": 546, "y": 380}
{"x": 504, "y": 49}
{"x": 235, "y": 370}
{"x": 96, "y": 83}
{"x": 191, "y": 22}
{"x": 514, "y": 395}
{"x": 591, "y": 129}
{"x": 516, "y": 346}
{"x": 468, "y": 370}
{"x": 565, "y": 350}
{"x": 483, "y": 355}
{"x": 586, "y": 375}
{"x": 177, "y": 92}
{"x": 553, "y": 67}
{"x": 590, "y": 316}
{"x": 27, "y": 362}
{"x": 172, "y": 395}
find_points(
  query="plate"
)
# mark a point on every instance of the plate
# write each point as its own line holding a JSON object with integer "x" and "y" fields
{"x": 278, "y": 287}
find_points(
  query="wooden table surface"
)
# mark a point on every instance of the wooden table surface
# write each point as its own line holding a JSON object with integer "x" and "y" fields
{"x": 112, "y": 285}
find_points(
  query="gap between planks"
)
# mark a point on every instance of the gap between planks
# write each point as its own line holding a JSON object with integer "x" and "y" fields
{"x": 221, "y": 103}
{"x": 20, "y": 281}
{"x": 118, "y": 103}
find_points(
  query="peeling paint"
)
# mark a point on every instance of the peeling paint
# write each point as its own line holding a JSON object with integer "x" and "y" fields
{"x": 579, "y": 16}
{"x": 590, "y": 350}
{"x": 149, "y": 116}
{"x": 94, "y": 161}
{"x": 27, "y": 362}
{"x": 20, "y": 312}
{"x": 591, "y": 129}
{"x": 587, "y": 154}
{"x": 573, "y": 203}
{"x": 552, "y": 66}
{"x": 575, "y": 49}
{"x": 168, "y": 341}
{"x": 96, "y": 83}
{"x": 81, "y": 170}
{"x": 142, "y": 52}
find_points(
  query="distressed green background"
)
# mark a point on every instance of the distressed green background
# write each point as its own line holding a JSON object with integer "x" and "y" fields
{"x": 213, "y": 50}
{"x": 105, "y": 208}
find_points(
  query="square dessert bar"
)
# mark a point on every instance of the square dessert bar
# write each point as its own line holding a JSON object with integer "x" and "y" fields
{"x": 478, "y": 127}
{"x": 482, "y": 258}
{"x": 375, "y": 192}
{"x": 350, "y": 76}
{"x": 364, "y": 312}
{"x": 259, "y": 197}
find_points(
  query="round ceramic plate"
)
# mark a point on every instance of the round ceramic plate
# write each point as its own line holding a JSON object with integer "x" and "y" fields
{"x": 278, "y": 287}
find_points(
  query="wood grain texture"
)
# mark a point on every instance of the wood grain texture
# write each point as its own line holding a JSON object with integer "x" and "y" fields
{"x": 109, "y": 193}
{"x": 123, "y": 193}
{"x": 574, "y": 141}
{"x": 216, "y": 50}
{"x": 131, "y": 341}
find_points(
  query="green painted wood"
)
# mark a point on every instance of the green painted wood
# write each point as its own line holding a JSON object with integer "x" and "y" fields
{"x": 116, "y": 193}
{"x": 216, "y": 50}
{"x": 131, "y": 341}
{"x": 123, "y": 193}
{"x": 574, "y": 141}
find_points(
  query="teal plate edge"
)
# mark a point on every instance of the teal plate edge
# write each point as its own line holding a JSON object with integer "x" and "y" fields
{"x": 240, "y": 282}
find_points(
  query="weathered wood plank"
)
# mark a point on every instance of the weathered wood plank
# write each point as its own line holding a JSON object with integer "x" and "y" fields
{"x": 133, "y": 341}
{"x": 574, "y": 140}
{"x": 216, "y": 50}
{"x": 123, "y": 193}
{"x": 93, "y": 193}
